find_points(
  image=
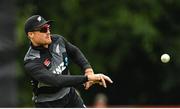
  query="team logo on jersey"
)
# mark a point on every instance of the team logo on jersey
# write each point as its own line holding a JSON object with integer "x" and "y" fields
{"x": 47, "y": 62}
{"x": 60, "y": 68}
{"x": 57, "y": 49}
{"x": 39, "y": 18}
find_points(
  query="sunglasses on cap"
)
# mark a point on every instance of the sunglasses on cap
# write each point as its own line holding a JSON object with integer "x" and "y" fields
{"x": 43, "y": 29}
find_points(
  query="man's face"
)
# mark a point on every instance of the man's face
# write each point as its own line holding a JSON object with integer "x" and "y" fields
{"x": 41, "y": 36}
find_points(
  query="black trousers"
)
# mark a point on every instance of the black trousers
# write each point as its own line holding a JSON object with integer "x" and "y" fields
{"x": 71, "y": 100}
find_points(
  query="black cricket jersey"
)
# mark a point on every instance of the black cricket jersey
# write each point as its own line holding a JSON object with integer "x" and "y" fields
{"x": 48, "y": 68}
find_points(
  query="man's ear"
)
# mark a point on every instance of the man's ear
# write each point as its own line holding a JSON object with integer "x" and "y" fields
{"x": 30, "y": 35}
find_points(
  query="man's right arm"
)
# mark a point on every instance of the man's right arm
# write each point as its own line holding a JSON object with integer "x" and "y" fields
{"x": 38, "y": 72}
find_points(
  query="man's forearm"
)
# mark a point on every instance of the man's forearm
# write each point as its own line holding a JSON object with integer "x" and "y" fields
{"x": 41, "y": 74}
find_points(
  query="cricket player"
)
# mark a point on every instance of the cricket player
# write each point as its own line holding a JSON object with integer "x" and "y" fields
{"x": 47, "y": 62}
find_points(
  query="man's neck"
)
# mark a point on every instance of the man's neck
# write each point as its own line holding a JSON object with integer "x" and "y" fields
{"x": 36, "y": 45}
{"x": 45, "y": 46}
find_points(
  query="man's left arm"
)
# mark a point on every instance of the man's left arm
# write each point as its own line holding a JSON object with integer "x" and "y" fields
{"x": 78, "y": 57}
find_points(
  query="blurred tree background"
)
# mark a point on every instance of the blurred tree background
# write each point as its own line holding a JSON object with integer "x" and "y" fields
{"x": 123, "y": 39}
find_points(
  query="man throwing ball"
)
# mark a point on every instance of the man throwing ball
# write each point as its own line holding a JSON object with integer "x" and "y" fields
{"x": 47, "y": 61}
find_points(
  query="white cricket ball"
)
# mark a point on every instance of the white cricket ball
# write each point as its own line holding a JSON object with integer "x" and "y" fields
{"x": 165, "y": 58}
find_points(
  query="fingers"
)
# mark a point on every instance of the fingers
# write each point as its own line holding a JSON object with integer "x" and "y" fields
{"x": 103, "y": 81}
{"x": 107, "y": 78}
{"x": 88, "y": 85}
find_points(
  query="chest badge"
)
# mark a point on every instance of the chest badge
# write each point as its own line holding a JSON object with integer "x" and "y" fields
{"x": 47, "y": 62}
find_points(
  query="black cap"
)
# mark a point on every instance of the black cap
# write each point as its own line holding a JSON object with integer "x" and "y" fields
{"x": 34, "y": 22}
